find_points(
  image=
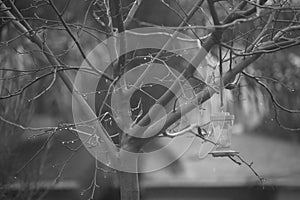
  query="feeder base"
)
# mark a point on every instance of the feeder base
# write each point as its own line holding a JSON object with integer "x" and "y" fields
{"x": 224, "y": 153}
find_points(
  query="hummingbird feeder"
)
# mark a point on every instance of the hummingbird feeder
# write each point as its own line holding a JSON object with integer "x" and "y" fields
{"x": 221, "y": 131}
{"x": 221, "y": 123}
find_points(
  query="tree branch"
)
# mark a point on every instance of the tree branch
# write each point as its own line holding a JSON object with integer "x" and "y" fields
{"x": 132, "y": 12}
{"x": 206, "y": 47}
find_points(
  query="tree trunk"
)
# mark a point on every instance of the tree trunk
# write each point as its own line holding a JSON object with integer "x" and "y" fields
{"x": 129, "y": 186}
{"x": 128, "y": 177}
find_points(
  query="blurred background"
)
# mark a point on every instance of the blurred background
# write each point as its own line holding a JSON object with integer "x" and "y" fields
{"x": 34, "y": 166}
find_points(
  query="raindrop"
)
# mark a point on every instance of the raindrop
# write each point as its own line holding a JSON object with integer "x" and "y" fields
{"x": 63, "y": 142}
{"x": 15, "y": 177}
{"x": 81, "y": 193}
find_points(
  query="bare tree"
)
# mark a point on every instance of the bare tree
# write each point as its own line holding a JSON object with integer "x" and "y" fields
{"x": 236, "y": 33}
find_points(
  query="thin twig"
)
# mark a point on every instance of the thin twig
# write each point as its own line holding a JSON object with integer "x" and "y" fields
{"x": 250, "y": 166}
{"x": 27, "y": 128}
{"x": 36, "y": 153}
{"x": 271, "y": 94}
